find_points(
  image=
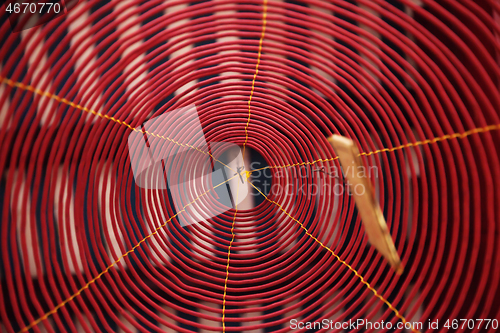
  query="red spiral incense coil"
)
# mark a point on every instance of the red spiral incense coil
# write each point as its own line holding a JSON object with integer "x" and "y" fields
{"x": 414, "y": 83}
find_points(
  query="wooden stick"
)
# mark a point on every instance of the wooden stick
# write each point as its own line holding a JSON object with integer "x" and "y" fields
{"x": 368, "y": 207}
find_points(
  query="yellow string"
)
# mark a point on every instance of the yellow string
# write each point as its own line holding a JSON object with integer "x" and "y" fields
{"x": 228, "y": 258}
{"x": 400, "y": 316}
{"x": 408, "y": 145}
{"x": 294, "y": 165}
{"x": 37, "y": 91}
{"x": 264, "y": 22}
{"x": 69, "y": 299}
{"x": 247, "y": 174}
{"x": 438, "y": 139}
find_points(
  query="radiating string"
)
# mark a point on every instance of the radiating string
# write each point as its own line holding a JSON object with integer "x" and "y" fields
{"x": 361, "y": 278}
{"x": 87, "y": 285}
